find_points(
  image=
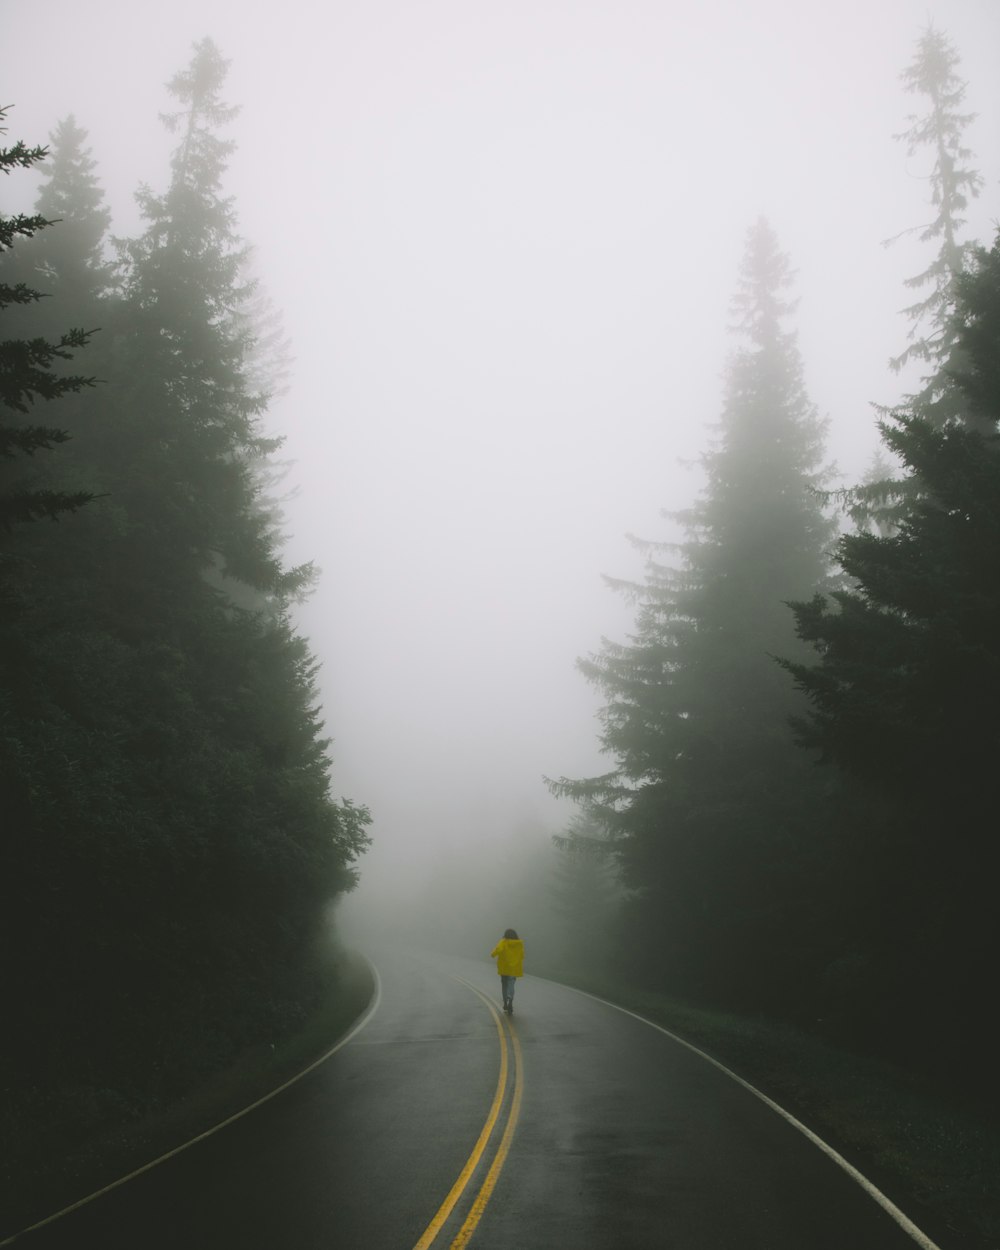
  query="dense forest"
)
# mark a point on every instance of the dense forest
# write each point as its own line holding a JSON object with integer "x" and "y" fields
{"x": 802, "y": 722}
{"x": 171, "y": 846}
{"x": 796, "y": 819}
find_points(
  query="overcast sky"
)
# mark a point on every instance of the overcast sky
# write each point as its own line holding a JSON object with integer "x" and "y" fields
{"x": 504, "y": 238}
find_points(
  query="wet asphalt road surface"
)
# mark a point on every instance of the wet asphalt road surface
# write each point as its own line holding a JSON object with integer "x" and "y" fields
{"x": 609, "y": 1136}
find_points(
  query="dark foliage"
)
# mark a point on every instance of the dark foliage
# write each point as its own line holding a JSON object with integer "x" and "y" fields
{"x": 906, "y": 693}
{"x": 29, "y": 371}
{"x": 712, "y": 809}
{"x": 171, "y": 848}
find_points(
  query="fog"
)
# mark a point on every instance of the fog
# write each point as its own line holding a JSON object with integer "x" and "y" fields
{"x": 503, "y": 239}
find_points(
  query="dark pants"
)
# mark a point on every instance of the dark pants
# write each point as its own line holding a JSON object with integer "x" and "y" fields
{"x": 507, "y": 988}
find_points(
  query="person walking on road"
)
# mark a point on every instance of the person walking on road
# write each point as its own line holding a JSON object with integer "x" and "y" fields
{"x": 509, "y": 954}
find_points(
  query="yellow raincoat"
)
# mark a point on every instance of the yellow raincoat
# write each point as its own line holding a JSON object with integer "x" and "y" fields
{"x": 509, "y": 954}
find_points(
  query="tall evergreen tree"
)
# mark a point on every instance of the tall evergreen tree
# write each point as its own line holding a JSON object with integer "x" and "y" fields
{"x": 30, "y": 370}
{"x": 933, "y": 73}
{"x": 906, "y": 691}
{"x": 709, "y": 800}
{"x": 939, "y": 133}
{"x": 71, "y": 261}
{"x": 173, "y": 846}
{"x": 199, "y": 565}
{"x": 184, "y": 299}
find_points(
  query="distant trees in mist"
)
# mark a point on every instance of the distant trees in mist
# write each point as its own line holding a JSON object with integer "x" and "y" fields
{"x": 940, "y": 133}
{"x": 711, "y": 794}
{"x": 802, "y": 726}
{"x": 170, "y": 844}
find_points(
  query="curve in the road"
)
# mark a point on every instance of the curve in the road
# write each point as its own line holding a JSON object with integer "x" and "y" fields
{"x": 370, "y": 1011}
{"x": 890, "y": 1208}
{"x": 620, "y": 1140}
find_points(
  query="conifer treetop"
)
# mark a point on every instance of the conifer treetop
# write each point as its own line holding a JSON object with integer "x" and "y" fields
{"x": 933, "y": 73}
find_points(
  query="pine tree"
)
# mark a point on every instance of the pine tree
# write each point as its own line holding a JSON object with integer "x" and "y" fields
{"x": 934, "y": 73}
{"x": 906, "y": 692}
{"x": 199, "y": 576}
{"x": 173, "y": 846}
{"x": 184, "y": 299}
{"x": 903, "y": 653}
{"x": 30, "y": 370}
{"x": 709, "y": 797}
{"x": 71, "y": 261}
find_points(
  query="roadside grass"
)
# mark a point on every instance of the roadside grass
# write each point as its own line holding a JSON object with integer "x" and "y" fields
{"x": 59, "y": 1159}
{"x": 931, "y": 1153}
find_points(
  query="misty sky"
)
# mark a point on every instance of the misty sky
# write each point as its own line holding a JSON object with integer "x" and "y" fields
{"x": 504, "y": 238}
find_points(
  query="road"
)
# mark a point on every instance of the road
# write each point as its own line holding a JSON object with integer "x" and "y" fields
{"x": 442, "y": 1123}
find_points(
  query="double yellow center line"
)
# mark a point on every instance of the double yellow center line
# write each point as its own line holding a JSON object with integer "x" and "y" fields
{"x": 472, "y": 1163}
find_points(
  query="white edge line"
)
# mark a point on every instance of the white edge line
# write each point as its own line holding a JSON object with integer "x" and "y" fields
{"x": 873, "y": 1191}
{"x": 373, "y": 1006}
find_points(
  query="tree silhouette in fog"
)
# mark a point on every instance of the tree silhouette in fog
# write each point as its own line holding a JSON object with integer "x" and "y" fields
{"x": 933, "y": 73}
{"x": 710, "y": 803}
{"x": 172, "y": 844}
{"x": 30, "y": 370}
{"x": 881, "y": 501}
{"x": 906, "y": 692}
